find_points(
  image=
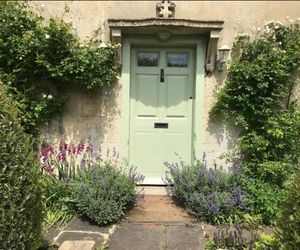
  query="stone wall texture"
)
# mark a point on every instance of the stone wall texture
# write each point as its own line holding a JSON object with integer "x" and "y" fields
{"x": 98, "y": 116}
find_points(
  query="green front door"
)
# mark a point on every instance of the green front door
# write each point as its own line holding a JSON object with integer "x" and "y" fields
{"x": 161, "y": 103}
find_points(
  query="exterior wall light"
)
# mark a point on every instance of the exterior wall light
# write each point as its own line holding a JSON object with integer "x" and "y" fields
{"x": 223, "y": 57}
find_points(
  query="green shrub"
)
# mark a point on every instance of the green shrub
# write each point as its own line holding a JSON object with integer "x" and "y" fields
{"x": 213, "y": 195}
{"x": 267, "y": 242}
{"x": 264, "y": 199}
{"x": 20, "y": 192}
{"x": 57, "y": 201}
{"x": 289, "y": 223}
{"x": 257, "y": 99}
{"x": 103, "y": 192}
{"x": 33, "y": 53}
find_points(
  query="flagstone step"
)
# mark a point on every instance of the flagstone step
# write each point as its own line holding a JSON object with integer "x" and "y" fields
{"x": 77, "y": 245}
{"x": 157, "y": 208}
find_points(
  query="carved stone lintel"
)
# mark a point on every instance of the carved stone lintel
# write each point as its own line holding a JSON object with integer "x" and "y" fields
{"x": 212, "y": 49}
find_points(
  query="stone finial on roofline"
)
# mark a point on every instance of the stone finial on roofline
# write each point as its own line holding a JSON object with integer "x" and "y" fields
{"x": 165, "y": 9}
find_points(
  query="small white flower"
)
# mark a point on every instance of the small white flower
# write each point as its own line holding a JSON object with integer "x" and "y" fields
{"x": 102, "y": 45}
{"x": 74, "y": 27}
{"x": 44, "y": 96}
{"x": 274, "y": 49}
{"x": 269, "y": 22}
{"x": 50, "y": 97}
{"x": 258, "y": 29}
{"x": 47, "y": 36}
{"x": 279, "y": 43}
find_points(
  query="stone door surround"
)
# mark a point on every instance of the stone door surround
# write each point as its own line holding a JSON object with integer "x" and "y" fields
{"x": 148, "y": 26}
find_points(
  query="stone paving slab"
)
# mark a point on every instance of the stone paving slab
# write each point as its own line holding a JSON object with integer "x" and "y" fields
{"x": 130, "y": 236}
{"x": 79, "y": 236}
{"x": 82, "y": 224}
{"x": 77, "y": 245}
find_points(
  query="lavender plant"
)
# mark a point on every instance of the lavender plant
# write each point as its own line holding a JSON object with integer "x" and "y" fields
{"x": 95, "y": 184}
{"x": 105, "y": 191}
{"x": 210, "y": 194}
{"x": 233, "y": 239}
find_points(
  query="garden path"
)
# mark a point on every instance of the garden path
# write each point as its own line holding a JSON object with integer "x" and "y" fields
{"x": 155, "y": 223}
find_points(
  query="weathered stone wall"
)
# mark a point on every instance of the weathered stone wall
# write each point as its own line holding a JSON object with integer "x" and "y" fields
{"x": 97, "y": 116}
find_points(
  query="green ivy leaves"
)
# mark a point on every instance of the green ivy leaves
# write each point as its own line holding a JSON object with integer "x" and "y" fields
{"x": 31, "y": 53}
{"x": 257, "y": 98}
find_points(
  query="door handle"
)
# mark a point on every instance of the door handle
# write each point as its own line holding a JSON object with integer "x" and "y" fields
{"x": 162, "y": 75}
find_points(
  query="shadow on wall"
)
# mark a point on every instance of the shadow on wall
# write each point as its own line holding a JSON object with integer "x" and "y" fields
{"x": 223, "y": 133}
{"x": 88, "y": 115}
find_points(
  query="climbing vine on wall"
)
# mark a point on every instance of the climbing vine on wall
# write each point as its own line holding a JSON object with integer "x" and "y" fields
{"x": 257, "y": 97}
{"x": 32, "y": 53}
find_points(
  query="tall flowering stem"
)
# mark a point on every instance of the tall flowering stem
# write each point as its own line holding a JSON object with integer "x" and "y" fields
{"x": 66, "y": 160}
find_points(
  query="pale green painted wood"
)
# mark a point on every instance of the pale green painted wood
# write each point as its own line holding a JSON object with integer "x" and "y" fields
{"x": 153, "y": 102}
{"x": 183, "y": 41}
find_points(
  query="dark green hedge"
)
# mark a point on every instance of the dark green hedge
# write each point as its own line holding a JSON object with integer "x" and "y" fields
{"x": 20, "y": 193}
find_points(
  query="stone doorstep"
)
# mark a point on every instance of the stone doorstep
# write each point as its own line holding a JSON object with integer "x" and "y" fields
{"x": 77, "y": 245}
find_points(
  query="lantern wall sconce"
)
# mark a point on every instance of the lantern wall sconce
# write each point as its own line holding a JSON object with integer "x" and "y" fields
{"x": 223, "y": 53}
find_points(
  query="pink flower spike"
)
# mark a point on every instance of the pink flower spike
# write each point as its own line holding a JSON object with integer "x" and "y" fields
{"x": 62, "y": 155}
{"x": 80, "y": 148}
{"x": 51, "y": 149}
{"x": 71, "y": 149}
{"x": 89, "y": 148}
{"x": 63, "y": 146}
{"x": 44, "y": 152}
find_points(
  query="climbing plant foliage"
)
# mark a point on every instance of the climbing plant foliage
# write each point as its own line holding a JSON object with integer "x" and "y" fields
{"x": 32, "y": 53}
{"x": 258, "y": 98}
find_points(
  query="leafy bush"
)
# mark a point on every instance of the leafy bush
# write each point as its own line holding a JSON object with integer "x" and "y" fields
{"x": 103, "y": 192}
{"x": 57, "y": 201}
{"x": 32, "y": 52}
{"x": 289, "y": 223}
{"x": 211, "y": 194}
{"x": 264, "y": 199}
{"x": 20, "y": 191}
{"x": 267, "y": 241}
{"x": 257, "y": 99}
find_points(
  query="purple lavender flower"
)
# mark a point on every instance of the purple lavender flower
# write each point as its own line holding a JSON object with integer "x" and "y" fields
{"x": 236, "y": 168}
{"x": 204, "y": 156}
{"x": 210, "y": 176}
{"x": 230, "y": 203}
{"x": 134, "y": 176}
{"x": 114, "y": 152}
{"x": 201, "y": 173}
{"x": 213, "y": 208}
{"x": 238, "y": 195}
